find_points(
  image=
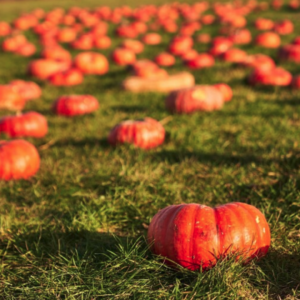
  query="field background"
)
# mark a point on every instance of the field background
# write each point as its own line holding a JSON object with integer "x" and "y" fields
{"x": 77, "y": 229}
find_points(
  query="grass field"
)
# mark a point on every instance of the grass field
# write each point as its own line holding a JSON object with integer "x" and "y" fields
{"x": 77, "y": 229}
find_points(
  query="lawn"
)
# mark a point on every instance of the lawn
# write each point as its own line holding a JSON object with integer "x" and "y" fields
{"x": 77, "y": 230}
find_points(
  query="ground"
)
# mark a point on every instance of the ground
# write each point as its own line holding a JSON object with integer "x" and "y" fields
{"x": 77, "y": 229}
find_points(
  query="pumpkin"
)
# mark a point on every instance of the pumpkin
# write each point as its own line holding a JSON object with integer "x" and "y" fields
{"x": 26, "y": 49}
{"x": 203, "y": 38}
{"x": 189, "y": 55}
{"x": 219, "y": 45}
{"x": 19, "y": 160}
{"x": 294, "y": 4}
{"x": 123, "y": 57}
{"x": 44, "y": 68}
{"x": 208, "y": 19}
{"x": 258, "y": 61}
{"x": 202, "y": 60}
{"x": 28, "y": 90}
{"x": 11, "y": 44}
{"x": 67, "y": 78}
{"x": 66, "y": 35}
{"x": 30, "y": 124}
{"x": 268, "y": 40}
{"x": 56, "y": 53}
{"x": 181, "y": 44}
{"x": 225, "y": 90}
{"x": 290, "y": 52}
{"x": 102, "y": 42}
{"x": 10, "y": 98}
{"x": 197, "y": 98}
{"x": 241, "y": 37}
{"x": 146, "y": 133}
{"x": 74, "y": 105}
{"x": 234, "y": 55}
{"x": 284, "y": 27}
{"x": 91, "y": 63}
{"x": 5, "y": 29}
{"x": 276, "y": 77}
{"x": 197, "y": 236}
{"x": 134, "y": 45}
{"x": 165, "y": 59}
{"x": 263, "y": 24}
{"x": 84, "y": 42}
{"x": 151, "y": 38}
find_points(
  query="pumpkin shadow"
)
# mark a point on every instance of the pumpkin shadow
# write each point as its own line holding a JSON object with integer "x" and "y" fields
{"x": 173, "y": 157}
{"x": 90, "y": 142}
{"x": 282, "y": 271}
{"x": 129, "y": 109}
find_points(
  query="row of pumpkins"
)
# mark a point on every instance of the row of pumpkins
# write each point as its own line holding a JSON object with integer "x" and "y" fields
{"x": 191, "y": 235}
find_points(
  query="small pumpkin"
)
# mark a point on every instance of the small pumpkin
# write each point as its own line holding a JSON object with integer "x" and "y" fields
{"x": 74, "y": 105}
{"x": 225, "y": 90}
{"x": 165, "y": 59}
{"x": 196, "y": 236}
{"x": 67, "y": 78}
{"x": 123, "y": 56}
{"x": 31, "y": 124}
{"x": 28, "y": 90}
{"x": 146, "y": 133}
{"x": 274, "y": 77}
{"x": 91, "y": 63}
{"x": 19, "y": 160}
{"x": 10, "y": 98}
{"x": 202, "y": 60}
{"x": 268, "y": 40}
{"x": 44, "y": 68}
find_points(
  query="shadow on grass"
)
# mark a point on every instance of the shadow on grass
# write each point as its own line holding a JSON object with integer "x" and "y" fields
{"x": 214, "y": 158}
{"x": 282, "y": 272}
{"x": 90, "y": 142}
{"x": 130, "y": 109}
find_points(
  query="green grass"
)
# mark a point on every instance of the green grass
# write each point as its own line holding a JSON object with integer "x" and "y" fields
{"x": 77, "y": 229}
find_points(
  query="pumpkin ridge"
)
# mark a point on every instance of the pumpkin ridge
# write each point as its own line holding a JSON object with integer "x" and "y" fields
{"x": 174, "y": 251}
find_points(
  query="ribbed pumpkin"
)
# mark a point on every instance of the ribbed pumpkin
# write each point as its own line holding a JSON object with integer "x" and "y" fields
{"x": 146, "y": 133}
{"x": 198, "y": 98}
{"x": 19, "y": 160}
{"x": 31, "y": 124}
{"x": 195, "y": 236}
{"x": 74, "y": 105}
{"x": 10, "y": 98}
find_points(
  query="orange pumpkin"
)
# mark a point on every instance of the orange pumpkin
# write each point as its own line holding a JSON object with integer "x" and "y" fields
{"x": 91, "y": 63}
{"x": 268, "y": 40}
{"x": 146, "y": 133}
{"x": 196, "y": 236}
{"x": 19, "y": 160}
{"x": 30, "y": 124}
{"x": 74, "y": 105}
{"x": 198, "y": 98}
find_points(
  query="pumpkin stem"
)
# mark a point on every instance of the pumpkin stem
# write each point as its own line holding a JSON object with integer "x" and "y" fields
{"x": 165, "y": 120}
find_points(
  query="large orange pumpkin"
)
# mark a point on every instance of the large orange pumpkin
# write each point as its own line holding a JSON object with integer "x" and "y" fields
{"x": 74, "y": 105}
{"x": 30, "y": 124}
{"x": 19, "y": 160}
{"x": 197, "y": 236}
{"x": 198, "y": 98}
{"x": 146, "y": 133}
